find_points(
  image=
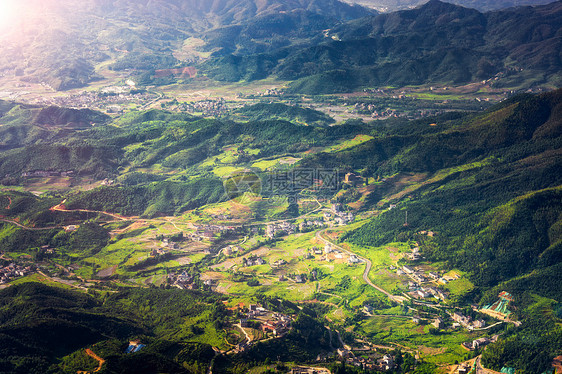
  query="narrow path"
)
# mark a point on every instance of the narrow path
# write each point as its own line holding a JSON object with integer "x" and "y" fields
{"x": 9, "y": 203}
{"x": 481, "y": 369}
{"x": 60, "y": 208}
{"x": 59, "y": 281}
{"x": 27, "y": 227}
{"x": 212, "y": 363}
{"x": 100, "y": 361}
{"x": 489, "y": 327}
{"x": 244, "y": 331}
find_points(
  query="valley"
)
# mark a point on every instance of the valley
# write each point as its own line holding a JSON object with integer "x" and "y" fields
{"x": 257, "y": 225}
{"x": 263, "y": 187}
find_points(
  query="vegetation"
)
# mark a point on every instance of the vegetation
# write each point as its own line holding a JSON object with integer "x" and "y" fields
{"x": 486, "y": 186}
{"x": 160, "y": 319}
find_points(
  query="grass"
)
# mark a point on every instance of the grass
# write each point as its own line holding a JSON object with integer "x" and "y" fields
{"x": 459, "y": 287}
{"x": 266, "y": 164}
{"x": 443, "y": 348}
{"x": 42, "y": 279}
{"x": 224, "y": 171}
{"x": 359, "y": 139}
{"x": 436, "y": 97}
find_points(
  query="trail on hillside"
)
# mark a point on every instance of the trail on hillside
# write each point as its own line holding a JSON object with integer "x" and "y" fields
{"x": 100, "y": 361}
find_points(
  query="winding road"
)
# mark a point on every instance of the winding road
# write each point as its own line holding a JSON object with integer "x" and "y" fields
{"x": 369, "y": 265}
{"x": 100, "y": 361}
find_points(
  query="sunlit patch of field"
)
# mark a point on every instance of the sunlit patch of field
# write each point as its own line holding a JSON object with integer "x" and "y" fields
{"x": 190, "y": 49}
{"x": 440, "y": 349}
{"x": 459, "y": 287}
{"x": 359, "y": 139}
{"x": 49, "y": 184}
{"x": 238, "y": 212}
{"x": 41, "y": 279}
{"x": 229, "y": 91}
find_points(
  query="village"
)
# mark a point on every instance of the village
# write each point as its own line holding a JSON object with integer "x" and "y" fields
{"x": 13, "y": 271}
{"x": 424, "y": 285}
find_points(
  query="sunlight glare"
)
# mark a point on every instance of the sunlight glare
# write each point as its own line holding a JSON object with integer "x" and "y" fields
{"x": 9, "y": 12}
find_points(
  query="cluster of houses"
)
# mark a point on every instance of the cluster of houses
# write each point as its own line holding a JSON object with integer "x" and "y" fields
{"x": 231, "y": 249}
{"x": 459, "y": 320}
{"x": 269, "y": 322}
{"x": 477, "y": 343}
{"x": 331, "y": 254}
{"x": 415, "y": 274}
{"x": 415, "y": 255}
{"x": 13, "y": 271}
{"x": 334, "y": 217}
{"x": 308, "y": 225}
{"x": 183, "y": 281}
{"x": 277, "y": 229}
{"x": 208, "y": 232}
{"x": 370, "y": 361}
{"x": 158, "y": 251}
{"x": 464, "y": 369}
{"x": 419, "y": 292}
{"x": 253, "y": 261}
{"x": 416, "y": 290}
{"x": 268, "y": 92}
{"x": 467, "y": 322}
{"x": 222, "y": 217}
{"x": 337, "y": 216}
{"x": 167, "y": 243}
{"x": 279, "y": 263}
{"x": 366, "y": 108}
{"x": 208, "y": 107}
{"x": 427, "y": 233}
{"x": 46, "y": 174}
{"x": 111, "y": 97}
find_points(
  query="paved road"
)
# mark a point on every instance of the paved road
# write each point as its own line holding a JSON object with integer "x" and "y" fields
{"x": 244, "y": 331}
{"x": 369, "y": 265}
{"x": 481, "y": 369}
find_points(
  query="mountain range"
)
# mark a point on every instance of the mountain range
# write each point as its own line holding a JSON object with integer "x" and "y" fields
{"x": 45, "y": 45}
{"x": 482, "y": 5}
{"x": 319, "y": 46}
{"x": 435, "y": 43}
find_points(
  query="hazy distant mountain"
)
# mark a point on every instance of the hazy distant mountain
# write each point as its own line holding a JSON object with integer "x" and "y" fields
{"x": 435, "y": 43}
{"x": 482, "y": 5}
{"x": 48, "y": 45}
{"x": 323, "y": 45}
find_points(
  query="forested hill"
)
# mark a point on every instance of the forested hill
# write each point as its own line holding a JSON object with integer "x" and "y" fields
{"x": 435, "y": 43}
{"x": 489, "y": 185}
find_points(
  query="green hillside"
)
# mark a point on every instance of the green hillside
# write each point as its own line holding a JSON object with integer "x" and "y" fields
{"x": 39, "y": 325}
{"x": 487, "y": 185}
